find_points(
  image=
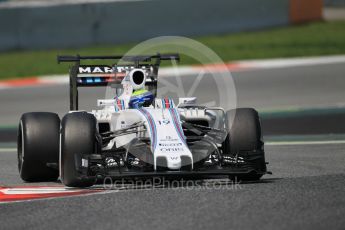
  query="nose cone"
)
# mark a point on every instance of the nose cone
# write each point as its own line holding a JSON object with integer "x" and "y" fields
{"x": 174, "y": 162}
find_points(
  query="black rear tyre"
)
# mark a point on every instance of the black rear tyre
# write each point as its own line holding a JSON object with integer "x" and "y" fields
{"x": 38, "y": 145}
{"x": 78, "y": 136}
{"x": 245, "y": 140}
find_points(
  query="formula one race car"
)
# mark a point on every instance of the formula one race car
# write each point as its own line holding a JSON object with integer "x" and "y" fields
{"x": 135, "y": 134}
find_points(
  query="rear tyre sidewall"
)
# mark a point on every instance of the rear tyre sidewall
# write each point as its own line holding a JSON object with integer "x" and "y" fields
{"x": 38, "y": 145}
{"x": 78, "y": 136}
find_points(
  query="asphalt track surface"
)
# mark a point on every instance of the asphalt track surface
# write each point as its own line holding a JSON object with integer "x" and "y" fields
{"x": 306, "y": 190}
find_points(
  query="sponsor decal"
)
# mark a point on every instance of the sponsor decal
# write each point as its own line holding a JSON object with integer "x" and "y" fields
{"x": 171, "y": 149}
{"x": 95, "y": 69}
{"x": 168, "y": 139}
{"x": 170, "y": 144}
{"x": 105, "y": 69}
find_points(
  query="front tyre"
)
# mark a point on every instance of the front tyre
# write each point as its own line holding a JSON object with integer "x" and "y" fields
{"x": 245, "y": 140}
{"x": 38, "y": 146}
{"x": 78, "y": 137}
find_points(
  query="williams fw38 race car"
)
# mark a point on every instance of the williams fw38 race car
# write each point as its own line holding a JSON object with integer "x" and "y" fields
{"x": 135, "y": 134}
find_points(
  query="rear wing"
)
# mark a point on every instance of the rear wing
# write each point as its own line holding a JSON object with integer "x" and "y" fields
{"x": 102, "y": 75}
{"x": 136, "y": 58}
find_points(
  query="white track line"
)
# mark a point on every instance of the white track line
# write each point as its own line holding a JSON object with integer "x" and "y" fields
{"x": 332, "y": 142}
{"x": 293, "y": 62}
{"x": 8, "y": 149}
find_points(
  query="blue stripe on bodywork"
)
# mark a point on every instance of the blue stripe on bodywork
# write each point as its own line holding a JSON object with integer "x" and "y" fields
{"x": 152, "y": 127}
{"x": 177, "y": 124}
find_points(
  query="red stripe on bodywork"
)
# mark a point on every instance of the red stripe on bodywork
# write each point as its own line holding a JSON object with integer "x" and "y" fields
{"x": 167, "y": 104}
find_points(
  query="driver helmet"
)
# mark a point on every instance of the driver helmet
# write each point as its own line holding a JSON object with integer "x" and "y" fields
{"x": 140, "y": 98}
